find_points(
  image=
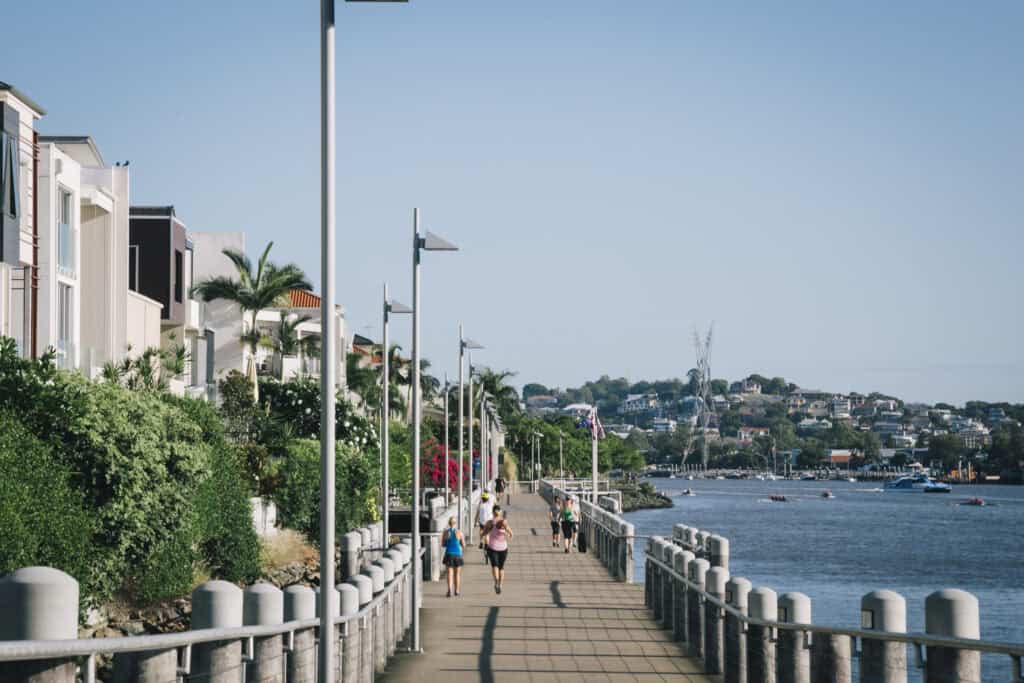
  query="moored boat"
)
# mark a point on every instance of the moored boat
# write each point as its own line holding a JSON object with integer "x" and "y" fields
{"x": 917, "y": 482}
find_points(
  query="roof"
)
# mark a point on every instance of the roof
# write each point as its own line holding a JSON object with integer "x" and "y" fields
{"x": 300, "y": 298}
{"x": 76, "y": 140}
{"x": 155, "y": 211}
{"x": 23, "y": 97}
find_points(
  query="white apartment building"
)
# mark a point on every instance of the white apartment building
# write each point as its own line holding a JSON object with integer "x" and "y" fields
{"x": 225, "y": 322}
{"x": 664, "y": 425}
{"x": 18, "y": 114}
{"x": 841, "y": 408}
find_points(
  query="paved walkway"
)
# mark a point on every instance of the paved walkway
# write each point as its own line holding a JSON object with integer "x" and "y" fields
{"x": 559, "y": 618}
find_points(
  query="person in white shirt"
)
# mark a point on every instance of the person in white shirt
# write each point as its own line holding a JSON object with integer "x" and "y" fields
{"x": 484, "y": 516}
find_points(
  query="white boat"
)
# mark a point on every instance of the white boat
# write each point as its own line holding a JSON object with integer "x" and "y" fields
{"x": 917, "y": 482}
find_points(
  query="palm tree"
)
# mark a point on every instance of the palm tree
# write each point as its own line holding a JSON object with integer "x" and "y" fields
{"x": 505, "y": 396}
{"x": 363, "y": 380}
{"x": 286, "y": 341}
{"x": 253, "y": 291}
{"x": 267, "y": 287}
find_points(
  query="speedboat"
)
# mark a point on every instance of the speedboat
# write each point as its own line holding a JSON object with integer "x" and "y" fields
{"x": 827, "y": 494}
{"x": 808, "y": 477}
{"x": 689, "y": 492}
{"x": 852, "y": 480}
{"x": 917, "y": 482}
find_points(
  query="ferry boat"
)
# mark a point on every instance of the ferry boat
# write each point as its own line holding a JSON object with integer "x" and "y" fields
{"x": 917, "y": 482}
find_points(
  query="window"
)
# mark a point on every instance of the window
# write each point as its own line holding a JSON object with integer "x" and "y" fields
{"x": 133, "y": 267}
{"x": 179, "y": 274}
{"x": 65, "y": 349}
{"x": 9, "y": 198}
{"x": 65, "y": 236}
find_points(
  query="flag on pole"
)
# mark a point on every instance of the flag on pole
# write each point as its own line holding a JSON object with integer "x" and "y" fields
{"x": 592, "y": 422}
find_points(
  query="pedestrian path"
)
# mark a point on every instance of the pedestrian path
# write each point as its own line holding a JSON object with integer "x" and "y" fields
{"x": 559, "y": 618}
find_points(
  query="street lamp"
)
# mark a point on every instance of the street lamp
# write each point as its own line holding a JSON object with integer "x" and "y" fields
{"x": 537, "y": 436}
{"x": 464, "y": 346}
{"x": 390, "y": 308}
{"x": 447, "y": 467}
{"x": 328, "y": 327}
{"x": 420, "y": 243}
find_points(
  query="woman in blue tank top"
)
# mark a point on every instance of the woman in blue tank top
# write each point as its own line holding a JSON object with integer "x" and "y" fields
{"x": 453, "y": 543}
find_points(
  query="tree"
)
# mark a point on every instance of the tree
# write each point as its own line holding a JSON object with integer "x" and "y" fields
{"x": 286, "y": 341}
{"x": 505, "y": 397}
{"x": 253, "y": 290}
{"x": 534, "y": 389}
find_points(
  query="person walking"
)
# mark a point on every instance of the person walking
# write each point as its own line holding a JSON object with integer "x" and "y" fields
{"x": 555, "y": 517}
{"x": 498, "y": 533}
{"x": 454, "y": 543}
{"x": 483, "y": 517}
{"x": 501, "y": 486}
{"x": 569, "y": 520}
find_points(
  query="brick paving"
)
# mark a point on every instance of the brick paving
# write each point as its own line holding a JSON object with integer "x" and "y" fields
{"x": 559, "y": 618}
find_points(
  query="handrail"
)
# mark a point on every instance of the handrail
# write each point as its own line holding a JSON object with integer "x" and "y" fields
{"x": 926, "y": 639}
{"x": 20, "y": 650}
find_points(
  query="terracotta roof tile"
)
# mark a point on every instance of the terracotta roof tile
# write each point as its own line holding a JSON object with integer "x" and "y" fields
{"x": 300, "y": 298}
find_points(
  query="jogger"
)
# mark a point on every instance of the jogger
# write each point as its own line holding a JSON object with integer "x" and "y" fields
{"x": 498, "y": 533}
{"x": 453, "y": 543}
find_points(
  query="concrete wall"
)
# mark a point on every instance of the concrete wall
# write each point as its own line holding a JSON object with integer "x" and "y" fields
{"x": 222, "y": 317}
{"x": 58, "y": 171}
{"x": 143, "y": 323}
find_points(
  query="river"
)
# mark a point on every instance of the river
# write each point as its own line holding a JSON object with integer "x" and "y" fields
{"x": 836, "y": 550}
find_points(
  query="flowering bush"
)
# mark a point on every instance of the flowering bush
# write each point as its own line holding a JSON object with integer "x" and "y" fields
{"x": 297, "y": 404}
{"x": 432, "y": 466}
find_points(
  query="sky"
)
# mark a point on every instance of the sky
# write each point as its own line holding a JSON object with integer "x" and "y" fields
{"x": 836, "y": 188}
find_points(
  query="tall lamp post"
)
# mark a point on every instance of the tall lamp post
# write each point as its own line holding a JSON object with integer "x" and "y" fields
{"x": 447, "y": 467}
{"x": 328, "y": 327}
{"x": 464, "y": 346}
{"x": 390, "y": 308}
{"x": 536, "y": 462}
{"x": 420, "y": 243}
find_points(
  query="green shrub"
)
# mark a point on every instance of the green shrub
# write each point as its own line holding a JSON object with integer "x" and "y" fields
{"x": 169, "y": 569}
{"x": 153, "y": 471}
{"x": 357, "y": 484}
{"x": 43, "y": 519}
{"x": 228, "y": 544}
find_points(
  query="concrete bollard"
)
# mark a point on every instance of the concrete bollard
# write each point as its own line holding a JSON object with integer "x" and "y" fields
{"x": 367, "y": 545}
{"x": 831, "y": 658}
{"x": 388, "y": 607}
{"x": 335, "y": 609}
{"x": 300, "y": 605}
{"x": 954, "y": 613}
{"x": 718, "y": 551}
{"x": 690, "y": 542}
{"x": 672, "y": 589}
{"x": 678, "y": 532}
{"x": 349, "y": 632}
{"x": 351, "y": 546}
{"x": 668, "y": 550}
{"x": 702, "y": 543}
{"x": 626, "y": 532}
{"x": 380, "y": 543}
{"x": 714, "y": 621}
{"x": 763, "y": 605}
{"x": 365, "y": 626}
{"x": 398, "y": 598}
{"x": 794, "y": 659}
{"x": 39, "y": 603}
{"x": 681, "y": 564}
{"x": 263, "y": 605}
{"x": 881, "y": 660}
{"x": 695, "y": 607}
{"x": 406, "y": 551}
{"x": 376, "y": 575}
{"x": 217, "y": 604}
{"x": 654, "y": 551}
{"x": 737, "y": 590}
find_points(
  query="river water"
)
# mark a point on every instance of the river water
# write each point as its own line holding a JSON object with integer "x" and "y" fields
{"x": 836, "y": 550}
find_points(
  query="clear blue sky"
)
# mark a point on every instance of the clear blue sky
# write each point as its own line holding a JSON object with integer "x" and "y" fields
{"x": 838, "y": 188}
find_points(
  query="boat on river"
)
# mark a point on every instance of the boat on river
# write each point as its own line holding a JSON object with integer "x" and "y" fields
{"x": 777, "y": 498}
{"x": 827, "y": 494}
{"x": 917, "y": 482}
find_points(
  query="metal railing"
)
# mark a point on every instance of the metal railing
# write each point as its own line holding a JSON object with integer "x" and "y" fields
{"x": 918, "y": 641}
{"x": 386, "y": 605}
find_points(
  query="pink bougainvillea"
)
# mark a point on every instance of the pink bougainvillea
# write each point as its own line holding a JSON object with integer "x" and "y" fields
{"x": 432, "y": 466}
